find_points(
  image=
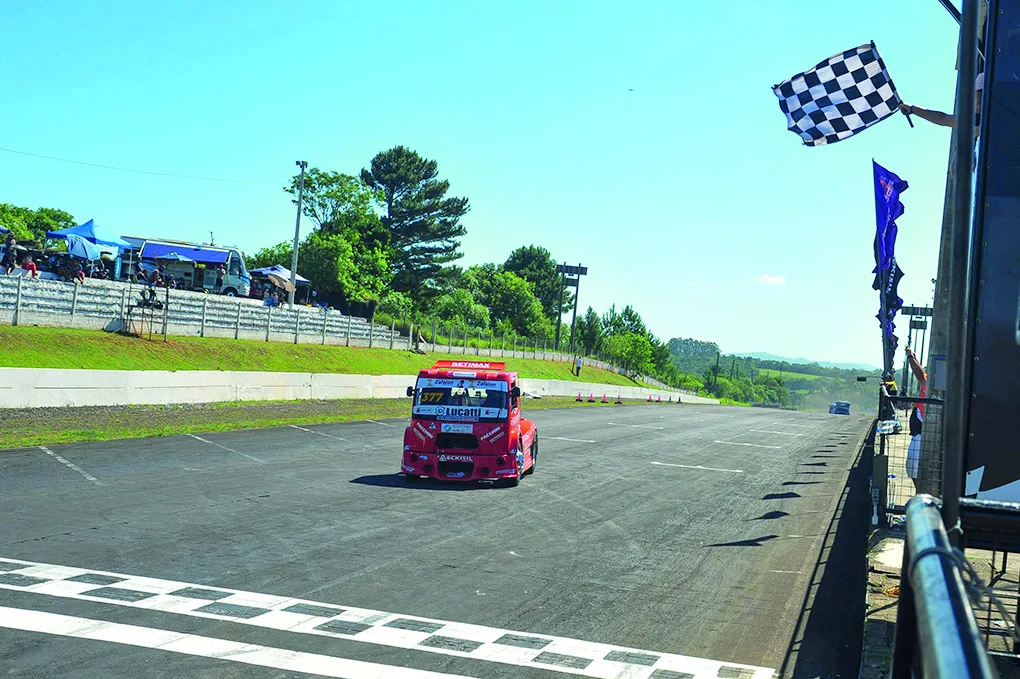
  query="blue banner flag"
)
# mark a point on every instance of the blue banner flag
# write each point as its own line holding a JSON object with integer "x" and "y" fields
{"x": 888, "y": 208}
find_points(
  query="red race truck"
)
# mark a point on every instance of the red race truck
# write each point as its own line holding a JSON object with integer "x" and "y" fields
{"x": 466, "y": 425}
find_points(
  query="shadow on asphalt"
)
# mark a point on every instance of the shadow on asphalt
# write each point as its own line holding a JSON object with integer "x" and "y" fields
{"x": 814, "y": 464}
{"x": 781, "y": 496}
{"x": 801, "y": 483}
{"x": 771, "y": 515}
{"x": 401, "y": 481}
{"x": 752, "y": 542}
{"x": 829, "y": 633}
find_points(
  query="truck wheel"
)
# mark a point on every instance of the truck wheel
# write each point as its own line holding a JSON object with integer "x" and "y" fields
{"x": 512, "y": 482}
{"x": 534, "y": 456}
{"x": 412, "y": 478}
{"x": 230, "y": 292}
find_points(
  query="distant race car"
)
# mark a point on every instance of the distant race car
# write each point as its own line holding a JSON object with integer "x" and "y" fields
{"x": 839, "y": 408}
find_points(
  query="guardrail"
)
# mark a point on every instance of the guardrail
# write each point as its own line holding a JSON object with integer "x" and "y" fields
{"x": 936, "y": 632}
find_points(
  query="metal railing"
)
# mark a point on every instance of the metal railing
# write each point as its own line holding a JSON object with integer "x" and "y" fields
{"x": 936, "y": 632}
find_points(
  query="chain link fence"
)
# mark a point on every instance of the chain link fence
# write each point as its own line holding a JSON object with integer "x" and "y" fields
{"x": 911, "y": 461}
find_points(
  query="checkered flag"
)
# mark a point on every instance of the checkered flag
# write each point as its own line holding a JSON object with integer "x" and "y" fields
{"x": 839, "y": 97}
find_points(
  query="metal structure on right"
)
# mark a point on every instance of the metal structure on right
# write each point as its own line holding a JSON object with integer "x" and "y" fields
{"x": 992, "y": 373}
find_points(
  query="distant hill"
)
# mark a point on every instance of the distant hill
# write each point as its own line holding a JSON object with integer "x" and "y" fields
{"x": 805, "y": 361}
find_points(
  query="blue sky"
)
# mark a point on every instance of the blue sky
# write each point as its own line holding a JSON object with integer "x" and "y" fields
{"x": 686, "y": 196}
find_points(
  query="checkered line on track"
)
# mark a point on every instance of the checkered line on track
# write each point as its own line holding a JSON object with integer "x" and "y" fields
{"x": 370, "y": 626}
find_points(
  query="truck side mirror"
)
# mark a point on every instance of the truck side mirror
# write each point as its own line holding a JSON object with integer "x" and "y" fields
{"x": 516, "y": 393}
{"x": 410, "y": 391}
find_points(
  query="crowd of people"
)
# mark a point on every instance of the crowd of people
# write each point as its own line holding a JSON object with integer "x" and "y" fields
{"x": 62, "y": 265}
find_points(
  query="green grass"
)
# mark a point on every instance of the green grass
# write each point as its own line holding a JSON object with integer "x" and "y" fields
{"x": 37, "y": 347}
{"x": 49, "y": 426}
{"x": 787, "y": 374}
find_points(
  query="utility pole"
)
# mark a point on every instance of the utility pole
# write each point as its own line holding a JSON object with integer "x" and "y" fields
{"x": 297, "y": 233}
{"x": 733, "y": 365}
{"x": 559, "y": 316}
{"x": 718, "y": 357}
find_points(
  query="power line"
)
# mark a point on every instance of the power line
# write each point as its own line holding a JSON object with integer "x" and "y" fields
{"x": 128, "y": 169}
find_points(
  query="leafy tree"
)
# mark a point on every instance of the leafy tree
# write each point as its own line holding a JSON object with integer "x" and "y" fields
{"x": 632, "y": 321}
{"x": 534, "y": 264}
{"x": 589, "y": 332}
{"x": 274, "y": 254}
{"x": 396, "y": 304}
{"x": 632, "y": 351}
{"x": 28, "y": 224}
{"x": 334, "y": 198}
{"x": 423, "y": 223}
{"x": 338, "y": 269}
{"x": 512, "y": 302}
{"x": 613, "y": 323}
{"x": 459, "y": 306}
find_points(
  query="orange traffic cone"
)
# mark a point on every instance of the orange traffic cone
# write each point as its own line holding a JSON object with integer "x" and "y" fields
{"x": 660, "y": 400}
{"x": 604, "y": 399}
{"x": 619, "y": 400}
{"x": 578, "y": 399}
{"x": 591, "y": 397}
{"x": 649, "y": 398}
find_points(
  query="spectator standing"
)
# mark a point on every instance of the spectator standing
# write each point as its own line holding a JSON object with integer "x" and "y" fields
{"x": 577, "y": 366}
{"x": 220, "y": 273}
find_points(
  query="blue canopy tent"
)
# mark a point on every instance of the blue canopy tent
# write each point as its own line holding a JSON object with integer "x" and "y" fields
{"x": 174, "y": 257}
{"x": 282, "y": 272}
{"x": 4, "y": 230}
{"x": 193, "y": 253}
{"x": 92, "y": 233}
{"x": 78, "y": 247}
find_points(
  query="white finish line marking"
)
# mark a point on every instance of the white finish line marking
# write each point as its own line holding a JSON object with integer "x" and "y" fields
{"x": 317, "y": 433}
{"x": 229, "y": 450}
{"x": 698, "y": 466}
{"x": 564, "y": 438}
{"x": 70, "y": 465}
{"x": 298, "y": 616}
{"x": 206, "y": 647}
{"x": 749, "y": 445}
{"x": 641, "y": 426}
{"x": 780, "y": 433}
{"x": 791, "y": 424}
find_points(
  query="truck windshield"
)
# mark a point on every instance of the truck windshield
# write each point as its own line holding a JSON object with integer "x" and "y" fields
{"x": 461, "y": 399}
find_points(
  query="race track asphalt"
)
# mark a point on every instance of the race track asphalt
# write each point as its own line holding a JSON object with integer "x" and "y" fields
{"x": 647, "y": 533}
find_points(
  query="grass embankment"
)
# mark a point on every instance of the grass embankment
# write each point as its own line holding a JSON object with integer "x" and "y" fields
{"x": 787, "y": 374}
{"x": 36, "y": 347}
{"x": 48, "y": 426}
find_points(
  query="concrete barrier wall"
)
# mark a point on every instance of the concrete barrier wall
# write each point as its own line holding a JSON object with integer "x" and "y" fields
{"x": 42, "y": 388}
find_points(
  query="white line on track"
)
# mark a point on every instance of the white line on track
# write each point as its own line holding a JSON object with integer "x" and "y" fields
{"x": 780, "y": 433}
{"x": 698, "y": 466}
{"x": 564, "y": 438}
{"x": 791, "y": 424}
{"x": 641, "y": 426}
{"x": 318, "y": 433}
{"x": 385, "y": 424}
{"x": 71, "y": 465}
{"x": 379, "y": 628}
{"x": 749, "y": 445}
{"x": 229, "y": 450}
{"x": 206, "y": 647}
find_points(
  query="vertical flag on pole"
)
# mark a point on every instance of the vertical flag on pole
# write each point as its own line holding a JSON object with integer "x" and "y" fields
{"x": 888, "y": 208}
